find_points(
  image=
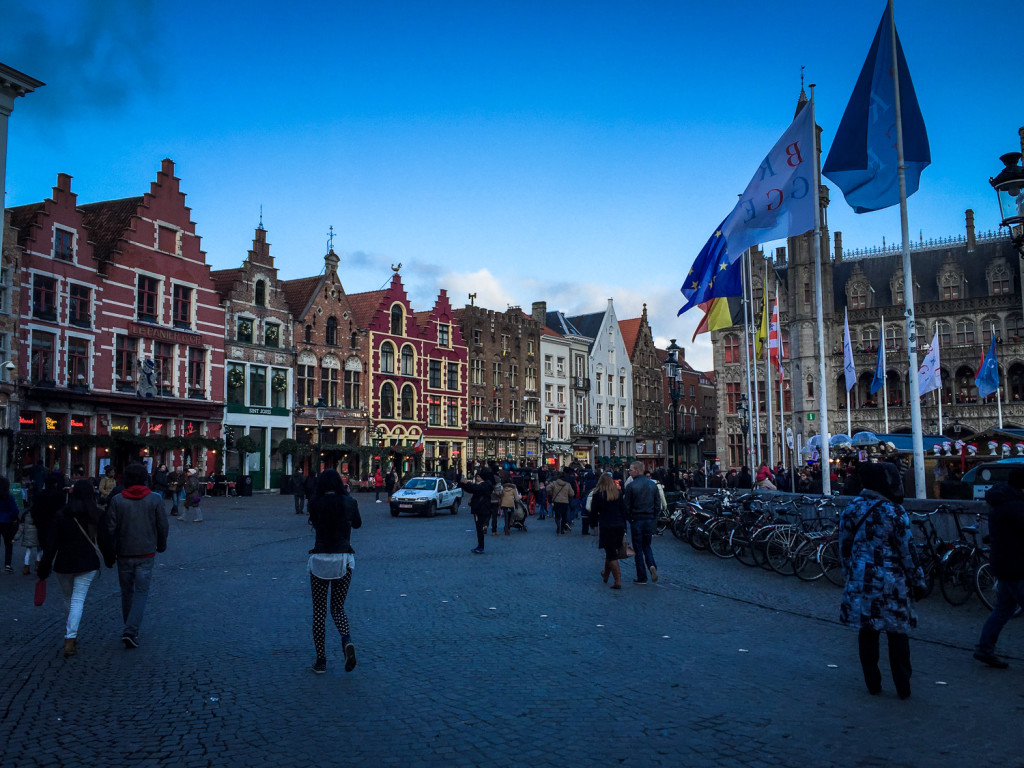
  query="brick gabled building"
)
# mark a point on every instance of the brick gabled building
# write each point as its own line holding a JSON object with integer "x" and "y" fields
{"x": 648, "y": 391}
{"x": 330, "y": 369}
{"x": 259, "y": 362}
{"x": 504, "y": 394}
{"x": 122, "y": 334}
{"x": 417, "y": 388}
{"x": 10, "y": 318}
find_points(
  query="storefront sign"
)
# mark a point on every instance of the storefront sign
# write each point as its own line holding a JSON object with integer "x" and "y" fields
{"x": 259, "y": 410}
{"x": 160, "y": 333}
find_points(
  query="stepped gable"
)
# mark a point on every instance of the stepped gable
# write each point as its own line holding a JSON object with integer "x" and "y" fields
{"x": 107, "y": 223}
{"x": 23, "y": 219}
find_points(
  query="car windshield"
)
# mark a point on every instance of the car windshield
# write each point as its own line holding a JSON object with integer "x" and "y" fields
{"x": 421, "y": 484}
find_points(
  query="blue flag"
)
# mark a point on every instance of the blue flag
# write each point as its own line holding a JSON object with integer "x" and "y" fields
{"x": 862, "y": 161}
{"x": 987, "y": 379}
{"x": 712, "y": 274}
{"x": 879, "y": 381}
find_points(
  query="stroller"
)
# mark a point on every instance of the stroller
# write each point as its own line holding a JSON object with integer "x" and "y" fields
{"x": 519, "y": 513}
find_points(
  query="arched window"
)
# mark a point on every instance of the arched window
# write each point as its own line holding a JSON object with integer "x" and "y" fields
{"x": 397, "y": 320}
{"x": 965, "y": 332}
{"x": 732, "y": 348}
{"x": 387, "y": 357}
{"x": 966, "y": 389}
{"x": 331, "y": 332}
{"x": 261, "y": 293}
{"x": 407, "y": 360}
{"x": 1014, "y": 328}
{"x": 387, "y": 401}
{"x": 408, "y": 400}
{"x": 892, "y": 337}
{"x": 858, "y": 296}
{"x": 942, "y": 328}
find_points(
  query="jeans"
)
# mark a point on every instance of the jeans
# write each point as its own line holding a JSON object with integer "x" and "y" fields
{"x": 134, "y": 574}
{"x": 641, "y": 533}
{"x": 7, "y": 531}
{"x": 1009, "y": 594}
{"x": 174, "y": 502}
{"x": 542, "y": 504}
{"x": 75, "y": 587}
{"x": 299, "y": 503}
{"x": 507, "y": 514}
{"x": 561, "y": 513}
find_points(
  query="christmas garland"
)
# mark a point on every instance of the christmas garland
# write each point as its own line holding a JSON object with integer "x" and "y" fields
{"x": 279, "y": 382}
{"x": 236, "y": 378}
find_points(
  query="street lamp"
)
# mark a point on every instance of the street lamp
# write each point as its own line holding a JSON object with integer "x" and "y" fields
{"x": 321, "y": 410}
{"x": 743, "y": 410}
{"x": 1009, "y": 187}
{"x": 672, "y": 372}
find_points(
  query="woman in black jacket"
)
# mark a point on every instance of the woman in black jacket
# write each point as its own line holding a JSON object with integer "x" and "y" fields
{"x": 72, "y": 549}
{"x": 480, "y": 504}
{"x": 333, "y": 513}
{"x": 607, "y": 512}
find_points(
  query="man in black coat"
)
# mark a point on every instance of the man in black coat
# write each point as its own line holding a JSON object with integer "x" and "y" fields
{"x": 480, "y": 504}
{"x": 1006, "y": 529}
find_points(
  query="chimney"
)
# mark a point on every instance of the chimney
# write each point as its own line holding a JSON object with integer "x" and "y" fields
{"x": 971, "y": 241}
{"x": 539, "y": 312}
{"x": 63, "y": 182}
{"x": 838, "y": 246}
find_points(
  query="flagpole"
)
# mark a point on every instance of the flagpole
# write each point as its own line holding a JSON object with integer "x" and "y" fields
{"x": 778, "y": 358}
{"x": 826, "y": 480}
{"x": 768, "y": 376}
{"x": 755, "y": 416}
{"x": 885, "y": 378}
{"x": 746, "y": 347}
{"x": 938, "y": 395}
{"x": 908, "y": 277}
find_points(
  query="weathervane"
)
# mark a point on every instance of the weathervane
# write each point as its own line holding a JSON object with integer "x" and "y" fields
{"x": 330, "y": 238}
{"x": 261, "y": 217}
{"x": 396, "y": 269}
{"x": 471, "y": 297}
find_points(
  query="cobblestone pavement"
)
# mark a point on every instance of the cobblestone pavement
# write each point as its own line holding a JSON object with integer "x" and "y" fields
{"x": 519, "y": 657}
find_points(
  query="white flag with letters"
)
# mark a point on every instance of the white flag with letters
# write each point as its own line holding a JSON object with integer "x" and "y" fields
{"x": 929, "y": 376}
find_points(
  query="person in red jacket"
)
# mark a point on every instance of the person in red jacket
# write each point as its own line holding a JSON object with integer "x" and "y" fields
{"x": 378, "y": 485}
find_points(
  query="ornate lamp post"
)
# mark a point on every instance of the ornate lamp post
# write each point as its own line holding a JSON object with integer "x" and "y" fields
{"x": 743, "y": 410}
{"x": 672, "y": 372}
{"x": 321, "y": 410}
{"x": 1009, "y": 187}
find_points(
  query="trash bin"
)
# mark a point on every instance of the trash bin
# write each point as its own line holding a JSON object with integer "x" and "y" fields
{"x": 244, "y": 486}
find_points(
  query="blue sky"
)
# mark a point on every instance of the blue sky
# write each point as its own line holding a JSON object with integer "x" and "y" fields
{"x": 569, "y": 152}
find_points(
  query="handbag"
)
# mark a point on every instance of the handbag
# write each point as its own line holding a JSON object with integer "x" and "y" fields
{"x": 196, "y": 499}
{"x": 625, "y": 549}
{"x": 40, "y": 593}
{"x": 96, "y": 549}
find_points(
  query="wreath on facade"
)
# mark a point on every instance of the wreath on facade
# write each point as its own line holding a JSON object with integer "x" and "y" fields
{"x": 245, "y": 328}
{"x": 248, "y": 444}
{"x": 279, "y": 382}
{"x": 272, "y": 333}
{"x": 236, "y": 378}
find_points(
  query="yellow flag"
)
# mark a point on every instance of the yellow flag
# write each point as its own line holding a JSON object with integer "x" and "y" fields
{"x": 762, "y": 326}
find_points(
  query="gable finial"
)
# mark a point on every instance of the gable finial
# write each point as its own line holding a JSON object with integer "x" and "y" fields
{"x": 397, "y": 269}
{"x": 802, "y": 77}
{"x": 472, "y": 296}
{"x": 330, "y": 238}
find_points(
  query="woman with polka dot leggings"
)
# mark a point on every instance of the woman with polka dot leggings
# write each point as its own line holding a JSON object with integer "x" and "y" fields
{"x": 333, "y": 513}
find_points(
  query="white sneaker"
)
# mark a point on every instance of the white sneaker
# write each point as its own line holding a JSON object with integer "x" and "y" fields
{"x": 379, "y": 501}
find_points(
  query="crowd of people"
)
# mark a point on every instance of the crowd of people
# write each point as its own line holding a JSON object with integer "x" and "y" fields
{"x": 76, "y": 532}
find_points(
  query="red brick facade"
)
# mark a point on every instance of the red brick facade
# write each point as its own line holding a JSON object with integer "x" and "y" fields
{"x": 121, "y": 342}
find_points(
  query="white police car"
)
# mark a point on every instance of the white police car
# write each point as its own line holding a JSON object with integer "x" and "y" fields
{"x": 426, "y": 495}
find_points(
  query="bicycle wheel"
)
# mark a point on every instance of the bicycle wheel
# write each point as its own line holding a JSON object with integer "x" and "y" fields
{"x": 831, "y": 564}
{"x": 805, "y": 561}
{"x": 779, "y": 549}
{"x": 986, "y": 583}
{"x": 758, "y": 543}
{"x": 696, "y": 534}
{"x": 720, "y": 538}
{"x": 956, "y": 580}
{"x": 741, "y": 545}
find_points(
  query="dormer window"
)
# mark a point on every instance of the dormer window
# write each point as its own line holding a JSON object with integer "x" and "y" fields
{"x": 1000, "y": 281}
{"x": 442, "y": 335}
{"x": 397, "y": 320}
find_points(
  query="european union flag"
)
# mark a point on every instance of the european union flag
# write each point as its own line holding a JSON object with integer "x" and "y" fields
{"x": 987, "y": 379}
{"x": 713, "y": 274}
{"x": 862, "y": 161}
